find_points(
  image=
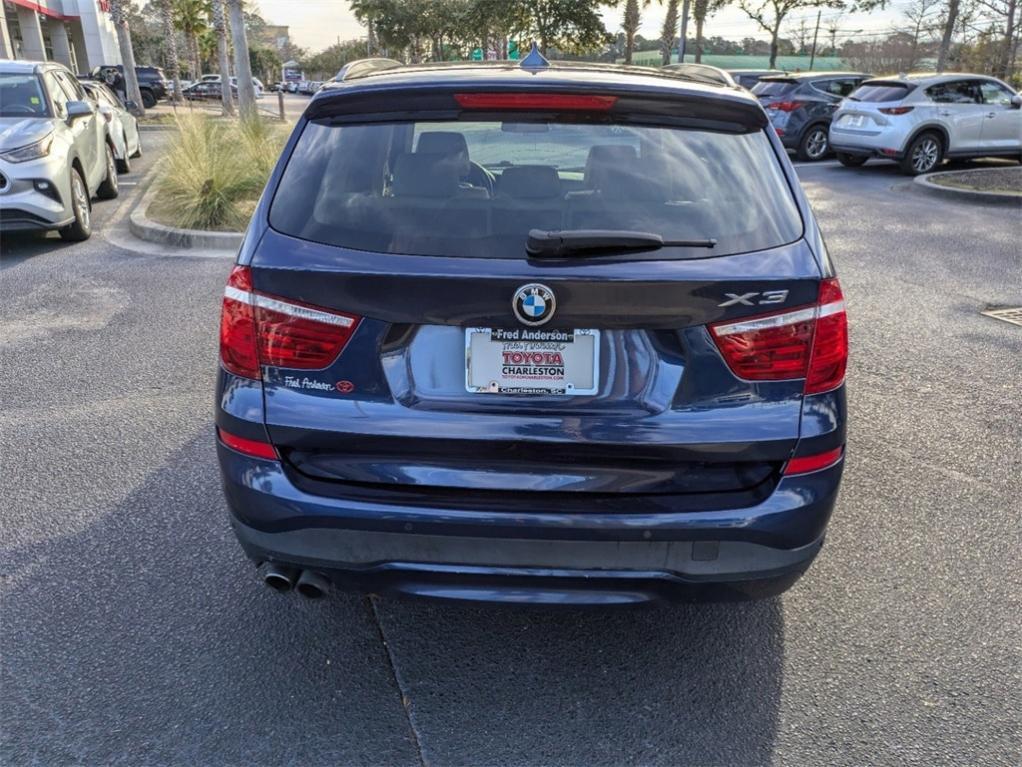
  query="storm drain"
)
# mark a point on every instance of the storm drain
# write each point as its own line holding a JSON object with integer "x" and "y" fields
{"x": 1012, "y": 314}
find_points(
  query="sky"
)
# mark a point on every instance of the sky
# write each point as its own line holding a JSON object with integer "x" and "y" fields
{"x": 316, "y": 24}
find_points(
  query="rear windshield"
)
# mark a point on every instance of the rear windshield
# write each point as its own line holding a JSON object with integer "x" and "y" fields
{"x": 880, "y": 92}
{"x": 774, "y": 87}
{"x": 475, "y": 189}
{"x": 22, "y": 96}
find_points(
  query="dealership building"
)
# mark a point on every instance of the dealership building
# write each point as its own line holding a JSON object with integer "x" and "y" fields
{"x": 78, "y": 33}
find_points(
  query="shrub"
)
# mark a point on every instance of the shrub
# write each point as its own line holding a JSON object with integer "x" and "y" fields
{"x": 215, "y": 171}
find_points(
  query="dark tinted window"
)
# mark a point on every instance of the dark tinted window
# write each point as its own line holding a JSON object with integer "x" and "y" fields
{"x": 958, "y": 92}
{"x": 22, "y": 96}
{"x": 774, "y": 87}
{"x": 879, "y": 92}
{"x": 476, "y": 188}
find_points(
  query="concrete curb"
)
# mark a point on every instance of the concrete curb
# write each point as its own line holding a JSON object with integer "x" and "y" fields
{"x": 997, "y": 198}
{"x": 146, "y": 229}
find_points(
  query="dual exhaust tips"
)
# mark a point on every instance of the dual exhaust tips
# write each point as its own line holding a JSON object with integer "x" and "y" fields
{"x": 308, "y": 583}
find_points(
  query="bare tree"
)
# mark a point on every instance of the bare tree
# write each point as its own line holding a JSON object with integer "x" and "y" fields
{"x": 770, "y": 15}
{"x": 950, "y": 21}
{"x": 922, "y": 17}
{"x": 246, "y": 91}
{"x": 223, "y": 56}
{"x": 120, "y": 19}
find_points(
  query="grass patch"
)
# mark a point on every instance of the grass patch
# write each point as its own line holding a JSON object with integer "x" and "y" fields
{"x": 215, "y": 171}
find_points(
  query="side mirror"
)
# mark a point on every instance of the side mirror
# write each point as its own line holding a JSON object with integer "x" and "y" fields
{"x": 76, "y": 109}
{"x": 1016, "y": 101}
{"x": 132, "y": 107}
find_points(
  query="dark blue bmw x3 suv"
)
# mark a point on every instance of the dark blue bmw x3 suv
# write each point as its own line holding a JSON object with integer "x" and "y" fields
{"x": 532, "y": 333}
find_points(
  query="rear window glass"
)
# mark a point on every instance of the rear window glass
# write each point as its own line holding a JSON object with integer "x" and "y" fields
{"x": 773, "y": 87}
{"x": 880, "y": 92}
{"x": 475, "y": 189}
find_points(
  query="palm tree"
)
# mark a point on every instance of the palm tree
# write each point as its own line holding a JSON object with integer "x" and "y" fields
{"x": 120, "y": 19}
{"x": 242, "y": 65}
{"x": 190, "y": 17}
{"x": 668, "y": 32}
{"x": 170, "y": 52}
{"x": 223, "y": 56}
{"x": 630, "y": 24}
{"x": 701, "y": 10}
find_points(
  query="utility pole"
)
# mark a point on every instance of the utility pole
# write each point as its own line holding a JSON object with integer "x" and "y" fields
{"x": 131, "y": 88}
{"x": 223, "y": 56}
{"x": 816, "y": 34}
{"x": 684, "y": 30}
{"x": 242, "y": 66}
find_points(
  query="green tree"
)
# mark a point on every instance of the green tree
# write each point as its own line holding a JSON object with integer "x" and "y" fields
{"x": 630, "y": 24}
{"x": 668, "y": 32}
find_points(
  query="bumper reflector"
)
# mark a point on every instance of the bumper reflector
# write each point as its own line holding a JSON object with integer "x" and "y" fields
{"x": 807, "y": 463}
{"x": 251, "y": 447}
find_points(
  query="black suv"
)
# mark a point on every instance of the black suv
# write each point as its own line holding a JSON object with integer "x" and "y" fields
{"x": 151, "y": 81}
{"x": 800, "y": 107}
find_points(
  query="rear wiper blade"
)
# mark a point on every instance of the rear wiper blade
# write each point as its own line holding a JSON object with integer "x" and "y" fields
{"x": 544, "y": 243}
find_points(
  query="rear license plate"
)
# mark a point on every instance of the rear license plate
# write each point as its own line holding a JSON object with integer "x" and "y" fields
{"x": 528, "y": 361}
{"x": 854, "y": 121}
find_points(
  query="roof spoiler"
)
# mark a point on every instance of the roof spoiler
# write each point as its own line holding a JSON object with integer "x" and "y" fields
{"x": 363, "y": 67}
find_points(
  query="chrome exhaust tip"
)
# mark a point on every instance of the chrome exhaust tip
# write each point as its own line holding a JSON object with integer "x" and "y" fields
{"x": 312, "y": 585}
{"x": 279, "y": 577}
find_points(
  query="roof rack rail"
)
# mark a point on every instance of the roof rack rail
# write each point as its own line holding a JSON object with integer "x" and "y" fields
{"x": 363, "y": 67}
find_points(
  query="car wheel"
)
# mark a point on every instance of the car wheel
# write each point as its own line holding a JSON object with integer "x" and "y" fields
{"x": 108, "y": 189}
{"x": 138, "y": 149}
{"x": 923, "y": 155}
{"x": 814, "y": 144}
{"x": 148, "y": 99}
{"x": 851, "y": 160}
{"x": 124, "y": 165}
{"x": 81, "y": 228}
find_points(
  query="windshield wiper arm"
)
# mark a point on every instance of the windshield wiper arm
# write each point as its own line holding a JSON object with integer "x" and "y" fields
{"x": 544, "y": 243}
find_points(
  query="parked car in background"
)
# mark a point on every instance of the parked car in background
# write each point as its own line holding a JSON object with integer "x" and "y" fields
{"x": 151, "y": 81}
{"x": 121, "y": 125}
{"x": 523, "y": 335}
{"x": 292, "y": 86}
{"x": 54, "y": 151}
{"x": 700, "y": 73}
{"x": 920, "y": 120}
{"x": 749, "y": 77}
{"x": 303, "y": 87}
{"x": 206, "y": 91}
{"x": 256, "y": 83}
{"x": 800, "y": 107}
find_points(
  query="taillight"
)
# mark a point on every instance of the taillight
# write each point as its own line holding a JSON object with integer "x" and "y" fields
{"x": 810, "y": 343}
{"x": 252, "y": 447}
{"x": 258, "y": 329}
{"x": 557, "y": 101}
{"x": 786, "y": 106}
{"x": 896, "y": 110}
{"x": 807, "y": 463}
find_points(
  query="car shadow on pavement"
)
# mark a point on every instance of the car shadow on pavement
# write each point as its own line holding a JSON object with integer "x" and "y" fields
{"x": 16, "y": 247}
{"x": 147, "y": 639}
{"x": 672, "y": 685}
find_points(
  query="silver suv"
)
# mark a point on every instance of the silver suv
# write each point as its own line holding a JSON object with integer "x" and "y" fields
{"x": 920, "y": 120}
{"x": 54, "y": 151}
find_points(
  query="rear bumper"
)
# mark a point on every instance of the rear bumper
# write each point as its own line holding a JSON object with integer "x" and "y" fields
{"x": 885, "y": 144}
{"x": 531, "y": 557}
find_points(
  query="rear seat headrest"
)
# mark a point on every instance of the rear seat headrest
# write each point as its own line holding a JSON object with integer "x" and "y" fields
{"x": 424, "y": 175}
{"x": 529, "y": 182}
{"x": 447, "y": 143}
{"x": 603, "y": 159}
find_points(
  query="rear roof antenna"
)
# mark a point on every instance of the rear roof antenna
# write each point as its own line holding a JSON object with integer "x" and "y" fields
{"x": 535, "y": 61}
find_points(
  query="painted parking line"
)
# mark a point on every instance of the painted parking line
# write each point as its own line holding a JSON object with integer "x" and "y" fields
{"x": 826, "y": 164}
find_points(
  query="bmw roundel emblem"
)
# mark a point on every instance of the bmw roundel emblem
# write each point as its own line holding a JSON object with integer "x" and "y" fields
{"x": 534, "y": 304}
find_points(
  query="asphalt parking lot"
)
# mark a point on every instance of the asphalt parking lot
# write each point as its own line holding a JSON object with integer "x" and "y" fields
{"x": 135, "y": 632}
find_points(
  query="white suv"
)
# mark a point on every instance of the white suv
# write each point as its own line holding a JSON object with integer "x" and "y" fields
{"x": 920, "y": 120}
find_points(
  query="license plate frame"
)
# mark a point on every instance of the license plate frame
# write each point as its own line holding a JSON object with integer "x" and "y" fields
{"x": 581, "y": 379}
